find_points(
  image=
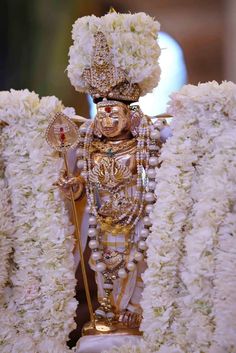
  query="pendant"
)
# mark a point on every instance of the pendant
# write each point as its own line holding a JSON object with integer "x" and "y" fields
{"x": 113, "y": 260}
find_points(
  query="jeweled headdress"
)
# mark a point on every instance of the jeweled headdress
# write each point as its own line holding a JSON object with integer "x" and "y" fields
{"x": 115, "y": 56}
{"x": 106, "y": 80}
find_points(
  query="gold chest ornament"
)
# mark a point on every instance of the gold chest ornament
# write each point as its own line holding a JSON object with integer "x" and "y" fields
{"x": 108, "y": 174}
{"x": 112, "y": 177}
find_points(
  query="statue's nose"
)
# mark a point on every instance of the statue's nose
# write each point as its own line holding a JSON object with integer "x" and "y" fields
{"x": 107, "y": 122}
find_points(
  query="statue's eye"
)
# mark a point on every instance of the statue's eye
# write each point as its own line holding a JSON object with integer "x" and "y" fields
{"x": 115, "y": 118}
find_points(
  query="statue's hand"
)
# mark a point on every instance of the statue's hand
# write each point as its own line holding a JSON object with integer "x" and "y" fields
{"x": 70, "y": 183}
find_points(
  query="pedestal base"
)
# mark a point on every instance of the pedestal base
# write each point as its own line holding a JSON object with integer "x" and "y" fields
{"x": 100, "y": 327}
{"x": 99, "y": 343}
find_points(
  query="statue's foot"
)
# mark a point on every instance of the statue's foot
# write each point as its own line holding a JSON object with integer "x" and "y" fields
{"x": 130, "y": 319}
{"x": 100, "y": 313}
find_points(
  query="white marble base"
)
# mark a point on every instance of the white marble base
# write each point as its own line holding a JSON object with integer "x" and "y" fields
{"x": 99, "y": 343}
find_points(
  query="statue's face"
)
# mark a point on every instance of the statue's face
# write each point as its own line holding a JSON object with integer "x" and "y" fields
{"x": 113, "y": 121}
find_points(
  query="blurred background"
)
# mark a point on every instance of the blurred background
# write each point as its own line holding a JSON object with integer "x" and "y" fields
{"x": 198, "y": 42}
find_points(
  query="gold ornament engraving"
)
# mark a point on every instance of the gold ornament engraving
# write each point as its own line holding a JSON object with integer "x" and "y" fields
{"x": 113, "y": 260}
{"x": 111, "y": 211}
{"x": 110, "y": 174}
{"x": 106, "y": 80}
{"x": 108, "y": 226}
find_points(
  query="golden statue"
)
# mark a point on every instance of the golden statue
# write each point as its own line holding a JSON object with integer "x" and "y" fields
{"x": 117, "y": 154}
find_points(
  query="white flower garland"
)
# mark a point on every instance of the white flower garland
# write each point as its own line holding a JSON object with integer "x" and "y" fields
{"x": 6, "y": 244}
{"x": 193, "y": 323}
{"x": 163, "y": 286}
{"x": 133, "y": 42}
{"x": 41, "y": 306}
{"x": 212, "y": 193}
{"x": 6, "y": 226}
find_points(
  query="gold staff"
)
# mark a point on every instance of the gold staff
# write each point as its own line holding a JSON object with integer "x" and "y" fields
{"x": 62, "y": 135}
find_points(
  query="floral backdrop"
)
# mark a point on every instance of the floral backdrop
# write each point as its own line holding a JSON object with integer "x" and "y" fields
{"x": 189, "y": 300}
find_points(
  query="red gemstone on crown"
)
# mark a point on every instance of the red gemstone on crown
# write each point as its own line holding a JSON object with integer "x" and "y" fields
{"x": 108, "y": 109}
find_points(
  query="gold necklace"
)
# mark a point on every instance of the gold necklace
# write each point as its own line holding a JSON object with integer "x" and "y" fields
{"x": 111, "y": 148}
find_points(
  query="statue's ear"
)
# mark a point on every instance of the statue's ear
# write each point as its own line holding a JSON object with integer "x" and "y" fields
{"x": 97, "y": 131}
{"x": 135, "y": 119}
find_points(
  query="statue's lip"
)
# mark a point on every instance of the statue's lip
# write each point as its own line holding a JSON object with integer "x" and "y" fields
{"x": 109, "y": 129}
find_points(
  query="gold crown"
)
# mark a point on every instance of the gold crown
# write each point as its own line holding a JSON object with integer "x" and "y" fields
{"x": 104, "y": 79}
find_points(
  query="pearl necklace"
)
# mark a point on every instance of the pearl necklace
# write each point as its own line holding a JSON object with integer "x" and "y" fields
{"x": 147, "y": 160}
